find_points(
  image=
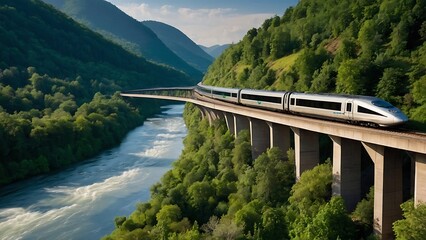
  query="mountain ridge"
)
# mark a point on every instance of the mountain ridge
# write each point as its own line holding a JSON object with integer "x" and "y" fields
{"x": 215, "y": 50}
{"x": 181, "y": 44}
{"x": 117, "y": 26}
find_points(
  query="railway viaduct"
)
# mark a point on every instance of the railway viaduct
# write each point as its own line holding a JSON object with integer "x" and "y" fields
{"x": 271, "y": 129}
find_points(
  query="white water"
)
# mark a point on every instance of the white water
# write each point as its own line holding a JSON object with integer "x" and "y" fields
{"x": 82, "y": 201}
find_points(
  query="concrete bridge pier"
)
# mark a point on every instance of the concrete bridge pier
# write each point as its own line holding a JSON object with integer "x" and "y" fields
{"x": 217, "y": 114}
{"x": 420, "y": 178}
{"x": 229, "y": 119}
{"x": 347, "y": 170}
{"x": 205, "y": 113}
{"x": 306, "y": 150}
{"x": 240, "y": 123}
{"x": 259, "y": 137}
{"x": 279, "y": 137}
{"x": 388, "y": 188}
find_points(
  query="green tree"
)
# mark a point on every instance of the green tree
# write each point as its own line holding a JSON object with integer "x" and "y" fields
{"x": 307, "y": 196}
{"x": 202, "y": 199}
{"x": 419, "y": 91}
{"x": 324, "y": 80}
{"x": 369, "y": 38}
{"x": 413, "y": 226}
{"x": 351, "y": 77}
{"x": 391, "y": 85}
{"x": 250, "y": 216}
{"x": 274, "y": 179}
{"x": 273, "y": 225}
{"x": 363, "y": 214}
{"x": 331, "y": 222}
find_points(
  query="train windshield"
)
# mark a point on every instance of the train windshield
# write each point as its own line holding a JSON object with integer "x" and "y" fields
{"x": 381, "y": 103}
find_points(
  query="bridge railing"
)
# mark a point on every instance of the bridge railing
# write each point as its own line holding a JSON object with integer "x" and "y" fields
{"x": 185, "y": 92}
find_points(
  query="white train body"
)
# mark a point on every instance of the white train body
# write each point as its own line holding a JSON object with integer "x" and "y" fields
{"x": 364, "y": 110}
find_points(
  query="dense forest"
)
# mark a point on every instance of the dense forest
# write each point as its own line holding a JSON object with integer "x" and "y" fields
{"x": 360, "y": 47}
{"x": 216, "y": 191}
{"x": 57, "y": 90}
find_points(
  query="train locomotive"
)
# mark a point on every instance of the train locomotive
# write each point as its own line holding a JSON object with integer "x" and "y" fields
{"x": 354, "y": 109}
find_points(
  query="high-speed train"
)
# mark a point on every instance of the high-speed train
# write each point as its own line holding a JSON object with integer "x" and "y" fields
{"x": 355, "y": 109}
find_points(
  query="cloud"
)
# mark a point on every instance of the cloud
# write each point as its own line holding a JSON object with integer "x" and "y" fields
{"x": 206, "y": 26}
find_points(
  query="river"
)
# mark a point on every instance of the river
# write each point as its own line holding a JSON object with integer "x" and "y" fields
{"x": 82, "y": 201}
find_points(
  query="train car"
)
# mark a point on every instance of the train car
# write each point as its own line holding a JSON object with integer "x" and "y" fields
{"x": 224, "y": 94}
{"x": 318, "y": 105}
{"x": 203, "y": 90}
{"x": 263, "y": 99}
{"x": 375, "y": 112}
{"x": 363, "y": 110}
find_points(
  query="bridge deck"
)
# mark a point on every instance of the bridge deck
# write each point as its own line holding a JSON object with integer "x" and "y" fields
{"x": 390, "y": 138}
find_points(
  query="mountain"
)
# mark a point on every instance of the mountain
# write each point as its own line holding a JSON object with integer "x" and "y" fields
{"x": 215, "y": 50}
{"x": 180, "y": 44}
{"x": 58, "y": 46}
{"x": 106, "y": 19}
{"x": 58, "y": 83}
{"x": 375, "y": 48}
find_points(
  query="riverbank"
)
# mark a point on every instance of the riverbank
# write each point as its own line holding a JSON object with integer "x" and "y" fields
{"x": 82, "y": 201}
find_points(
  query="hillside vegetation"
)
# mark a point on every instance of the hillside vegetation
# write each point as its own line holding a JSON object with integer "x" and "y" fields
{"x": 354, "y": 47}
{"x": 106, "y": 19}
{"x": 217, "y": 191}
{"x": 57, "y": 84}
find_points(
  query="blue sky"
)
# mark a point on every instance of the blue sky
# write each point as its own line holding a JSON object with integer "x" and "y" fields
{"x": 207, "y": 22}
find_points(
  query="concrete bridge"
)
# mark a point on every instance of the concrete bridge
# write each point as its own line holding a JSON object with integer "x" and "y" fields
{"x": 386, "y": 149}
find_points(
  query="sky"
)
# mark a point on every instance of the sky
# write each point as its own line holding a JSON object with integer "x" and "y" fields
{"x": 207, "y": 22}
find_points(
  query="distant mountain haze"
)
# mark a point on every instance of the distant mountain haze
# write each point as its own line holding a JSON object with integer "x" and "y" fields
{"x": 215, "y": 50}
{"x": 181, "y": 45}
{"x": 112, "y": 23}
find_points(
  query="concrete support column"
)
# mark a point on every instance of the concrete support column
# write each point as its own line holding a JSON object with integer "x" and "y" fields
{"x": 240, "y": 123}
{"x": 280, "y": 136}
{"x": 259, "y": 137}
{"x": 212, "y": 114}
{"x": 217, "y": 114}
{"x": 229, "y": 119}
{"x": 387, "y": 188}
{"x": 420, "y": 179}
{"x": 347, "y": 170}
{"x": 205, "y": 113}
{"x": 306, "y": 149}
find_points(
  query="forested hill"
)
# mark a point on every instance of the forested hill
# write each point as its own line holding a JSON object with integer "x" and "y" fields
{"x": 106, "y": 19}
{"x": 181, "y": 44}
{"x": 56, "y": 82}
{"x": 34, "y": 34}
{"x": 348, "y": 46}
{"x": 217, "y": 191}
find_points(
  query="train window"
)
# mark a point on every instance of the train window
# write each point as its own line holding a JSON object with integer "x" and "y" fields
{"x": 291, "y": 101}
{"x": 348, "y": 107}
{"x": 319, "y": 104}
{"x": 204, "y": 90}
{"x": 261, "y": 98}
{"x": 368, "y": 111}
{"x": 234, "y": 95}
{"x": 381, "y": 103}
{"x": 222, "y": 93}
